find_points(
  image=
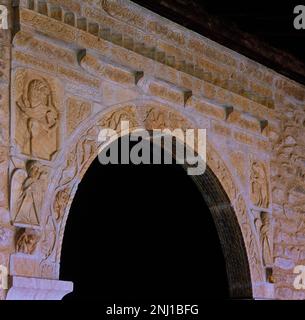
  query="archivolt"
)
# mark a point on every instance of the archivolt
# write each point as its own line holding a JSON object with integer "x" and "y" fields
{"x": 221, "y": 193}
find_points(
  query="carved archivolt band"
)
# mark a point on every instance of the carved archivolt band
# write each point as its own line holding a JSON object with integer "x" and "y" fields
{"x": 85, "y": 148}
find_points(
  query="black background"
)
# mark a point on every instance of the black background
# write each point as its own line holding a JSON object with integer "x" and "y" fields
{"x": 259, "y": 17}
{"x": 141, "y": 233}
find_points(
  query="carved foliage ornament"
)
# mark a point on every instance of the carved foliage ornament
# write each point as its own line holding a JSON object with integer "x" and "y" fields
{"x": 113, "y": 119}
{"x": 250, "y": 240}
{"x": 157, "y": 118}
{"x": 222, "y": 173}
{"x": 49, "y": 238}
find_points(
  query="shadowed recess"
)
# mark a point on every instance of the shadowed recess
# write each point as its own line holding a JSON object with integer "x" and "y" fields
{"x": 137, "y": 233}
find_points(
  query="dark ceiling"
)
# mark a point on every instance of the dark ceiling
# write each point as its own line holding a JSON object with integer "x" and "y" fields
{"x": 261, "y": 30}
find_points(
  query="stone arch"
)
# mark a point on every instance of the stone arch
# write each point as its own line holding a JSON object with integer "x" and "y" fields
{"x": 227, "y": 204}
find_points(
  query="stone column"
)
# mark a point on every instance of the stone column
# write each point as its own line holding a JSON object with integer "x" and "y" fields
{"x": 6, "y": 230}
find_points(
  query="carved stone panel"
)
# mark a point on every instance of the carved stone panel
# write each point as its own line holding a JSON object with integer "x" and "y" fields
{"x": 77, "y": 111}
{"x": 263, "y": 227}
{"x": 28, "y": 186}
{"x": 37, "y": 115}
{"x": 113, "y": 120}
{"x": 27, "y": 242}
{"x": 250, "y": 240}
{"x": 61, "y": 201}
{"x": 161, "y": 118}
{"x": 259, "y": 184}
{"x": 49, "y": 238}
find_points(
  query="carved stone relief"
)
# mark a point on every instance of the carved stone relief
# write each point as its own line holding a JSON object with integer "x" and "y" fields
{"x": 49, "y": 238}
{"x": 37, "y": 117}
{"x": 27, "y": 192}
{"x": 77, "y": 111}
{"x": 263, "y": 227}
{"x": 27, "y": 242}
{"x": 222, "y": 172}
{"x": 113, "y": 119}
{"x": 250, "y": 240}
{"x": 159, "y": 118}
{"x": 259, "y": 185}
{"x": 61, "y": 200}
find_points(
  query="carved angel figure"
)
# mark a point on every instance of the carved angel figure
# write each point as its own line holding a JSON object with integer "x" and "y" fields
{"x": 39, "y": 120}
{"x": 27, "y": 191}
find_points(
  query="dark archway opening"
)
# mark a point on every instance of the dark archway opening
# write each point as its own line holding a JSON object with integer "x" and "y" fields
{"x": 142, "y": 233}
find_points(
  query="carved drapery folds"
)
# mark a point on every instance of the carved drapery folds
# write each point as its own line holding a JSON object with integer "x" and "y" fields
{"x": 259, "y": 185}
{"x": 37, "y": 117}
{"x": 28, "y": 186}
{"x": 263, "y": 227}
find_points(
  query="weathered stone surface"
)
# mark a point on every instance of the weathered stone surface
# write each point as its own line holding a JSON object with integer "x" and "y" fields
{"x": 259, "y": 184}
{"x": 238, "y": 160}
{"x": 77, "y": 111}
{"x": 50, "y": 51}
{"x": 37, "y": 115}
{"x": 115, "y": 94}
{"x": 221, "y": 129}
{"x": 26, "y": 60}
{"x": 52, "y": 109}
{"x": 28, "y": 187}
{"x": 122, "y": 11}
{"x": 49, "y": 27}
{"x": 110, "y": 71}
{"x": 165, "y": 90}
{"x": 245, "y": 121}
{"x": 26, "y": 288}
{"x": 78, "y": 77}
{"x": 207, "y": 108}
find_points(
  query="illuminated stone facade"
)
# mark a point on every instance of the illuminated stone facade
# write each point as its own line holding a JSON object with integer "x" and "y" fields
{"x": 74, "y": 67}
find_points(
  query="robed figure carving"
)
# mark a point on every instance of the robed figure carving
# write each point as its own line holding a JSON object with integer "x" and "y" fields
{"x": 37, "y": 120}
{"x": 28, "y": 189}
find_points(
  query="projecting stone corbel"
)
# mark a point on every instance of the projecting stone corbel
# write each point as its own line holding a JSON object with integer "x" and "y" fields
{"x": 165, "y": 90}
{"x": 108, "y": 70}
{"x": 228, "y": 111}
{"x": 264, "y": 124}
{"x": 209, "y": 107}
{"x": 247, "y": 121}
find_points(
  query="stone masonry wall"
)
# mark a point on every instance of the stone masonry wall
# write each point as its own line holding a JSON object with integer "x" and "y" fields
{"x": 6, "y": 229}
{"x": 80, "y": 61}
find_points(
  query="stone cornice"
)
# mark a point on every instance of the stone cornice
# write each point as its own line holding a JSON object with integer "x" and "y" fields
{"x": 227, "y": 73}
